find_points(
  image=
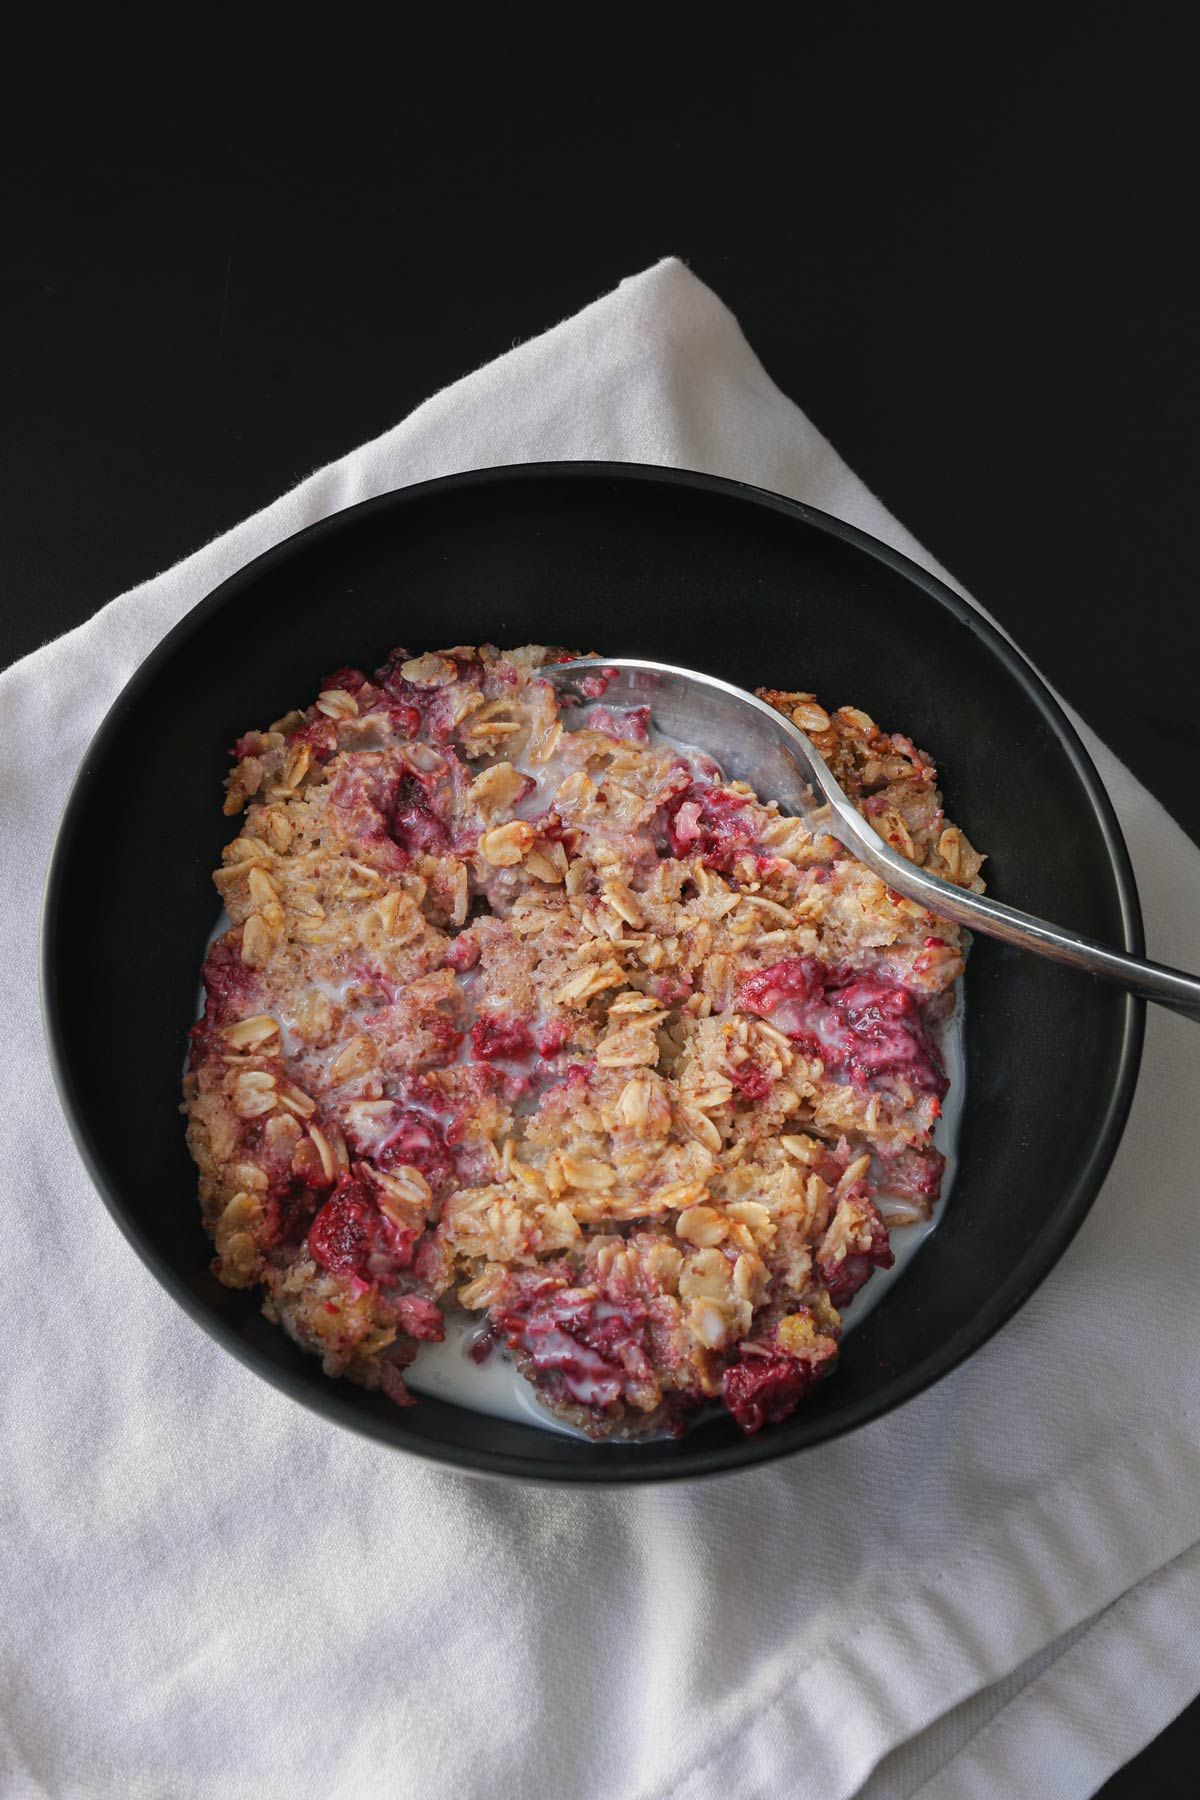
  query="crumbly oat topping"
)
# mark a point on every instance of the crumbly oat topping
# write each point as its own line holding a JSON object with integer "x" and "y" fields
{"x": 561, "y": 1027}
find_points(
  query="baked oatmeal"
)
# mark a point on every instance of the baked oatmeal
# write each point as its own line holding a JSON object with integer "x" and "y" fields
{"x": 560, "y": 1027}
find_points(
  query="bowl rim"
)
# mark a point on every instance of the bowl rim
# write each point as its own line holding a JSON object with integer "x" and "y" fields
{"x": 1039, "y": 1259}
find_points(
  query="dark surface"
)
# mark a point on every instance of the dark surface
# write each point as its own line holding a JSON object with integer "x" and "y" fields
{"x": 960, "y": 240}
{"x": 491, "y": 555}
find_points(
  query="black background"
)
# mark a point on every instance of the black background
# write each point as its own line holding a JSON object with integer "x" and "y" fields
{"x": 959, "y": 237}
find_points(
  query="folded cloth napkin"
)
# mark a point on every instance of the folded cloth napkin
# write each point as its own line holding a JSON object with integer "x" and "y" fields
{"x": 211, "y": 1592}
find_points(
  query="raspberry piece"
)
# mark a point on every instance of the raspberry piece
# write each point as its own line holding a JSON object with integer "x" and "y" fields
{"x": 855, "y": 1244}
{"x": 762, "y": 1389}
{"x": 287, "y": 1216}
{"x": 751, "y": 1081}
{"x": 586, "y": 1349}
{"x": 228, "y": 986}
{"x": 483, "y": 1347}
{"x": 350, "y": 1236}
{"x": 412, "y": 822}
{"x": 883, "y": 1033}
{"x": 445, "y": 1037}
{"x": 340, "y": 1236}
{"x": 861, "y": 1026}
{"x": 914, "y": 1174}
{"x": 631, "y": 723}
{"x": 684, "y": 826}
{"x": 553, "y": 1036}
{"x": 463, "y": 953}
{"x": 796, "y": 978}
{"x": 348, "y": 679}
{"x": 711, "y": 823}
{"x": 320, "y": 736}
{"x": 420, "y": 1318}
{"x": 417, "y": 1142}
{"x": 249, "y": 744}
{"x": 492, "y": 1036}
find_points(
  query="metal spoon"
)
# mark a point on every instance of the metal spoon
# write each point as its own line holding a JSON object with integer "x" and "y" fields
{"x": 754, "y": 743}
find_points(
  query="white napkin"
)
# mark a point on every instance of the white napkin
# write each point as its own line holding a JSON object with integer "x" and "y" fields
{"x": 210, "y": 1592}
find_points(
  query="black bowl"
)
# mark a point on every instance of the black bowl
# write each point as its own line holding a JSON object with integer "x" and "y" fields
{"x": 644, "y": 562}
